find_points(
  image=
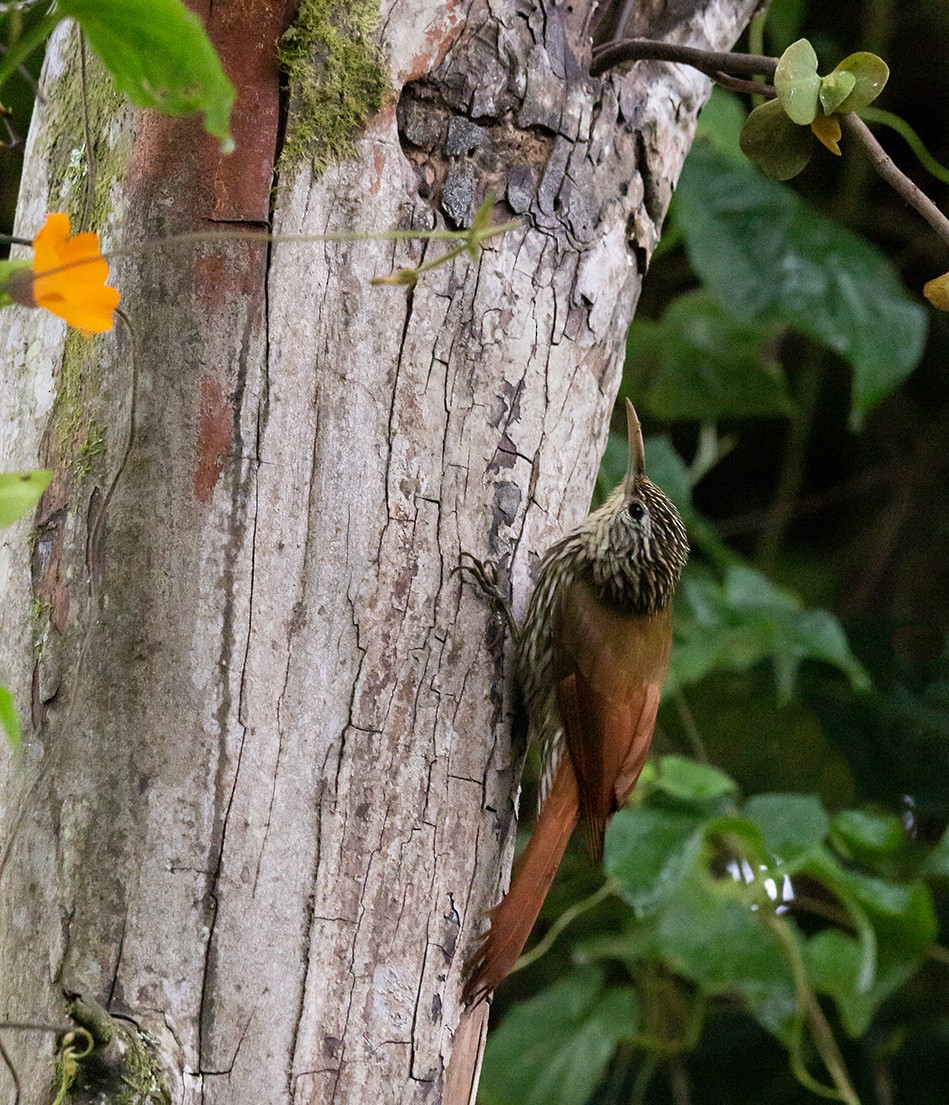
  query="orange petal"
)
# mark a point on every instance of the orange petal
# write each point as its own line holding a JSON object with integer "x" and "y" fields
{"x": 71, "y": 276}
{"x": 48, "y": 243}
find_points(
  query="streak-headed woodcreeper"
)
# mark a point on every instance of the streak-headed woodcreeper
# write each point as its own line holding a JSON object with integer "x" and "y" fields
{"x": 591, "y": 658}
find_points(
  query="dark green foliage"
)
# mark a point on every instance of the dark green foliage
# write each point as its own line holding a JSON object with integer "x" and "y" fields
{"x": 557, "y": 1046}
{"x": 765, "y": 254}
{"x": 724, "y": 895}
{"x": 706, "y": 363}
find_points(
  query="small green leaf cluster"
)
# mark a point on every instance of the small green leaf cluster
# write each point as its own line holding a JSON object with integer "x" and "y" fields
{"x": 734, "y": 622}
{"x": 766, "y": 902}
{"x": 777, "y": 135}
{"x": 467, "y": 240}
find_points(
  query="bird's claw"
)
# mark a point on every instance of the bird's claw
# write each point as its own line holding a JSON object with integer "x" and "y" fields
{"x": 485, "y": 573}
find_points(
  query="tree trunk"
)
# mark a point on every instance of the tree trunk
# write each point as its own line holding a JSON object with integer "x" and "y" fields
{"x": 268, "y": 792}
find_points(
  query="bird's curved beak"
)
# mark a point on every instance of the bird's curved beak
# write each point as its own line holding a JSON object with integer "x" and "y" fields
{"x": 637, "y": 454}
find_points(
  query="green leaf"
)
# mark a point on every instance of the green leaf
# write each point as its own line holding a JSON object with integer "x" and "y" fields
{"x": 775, "y": 1008}
{"x": 20, "y": 492}
{"x": 792, "y": 825}
{"x": 690, "y": 781}
{"x": 707, "y": 364}
{"x": 9, "y": 718}
{"x": 866, "y": 835}
{"x": 936, "y": 864}
{"x": 834, "y": 89}
{"x": 766, "y": 255}
{"x": 833, "y": 960}
{"x": 554, "y": 1048}
{"x": 739, "y": 836}
{"x": 797, "y": 83}
{"x": 777, "y": 146}
{"x": 902, "y": 923}
{"x": 786, "y": 18}
{"x": 710, "y": 934}
{"x": 746, "y": 619}
{"x": 870, "y": 74}
{"x": 649, "y": 852}
{"x": 159, "y": 56}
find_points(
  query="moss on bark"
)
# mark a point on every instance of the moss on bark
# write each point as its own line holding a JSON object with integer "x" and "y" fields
{"x": 337, "y": 79}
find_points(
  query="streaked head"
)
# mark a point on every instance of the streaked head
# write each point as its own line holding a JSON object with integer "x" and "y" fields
{"x": 639, "y": 542}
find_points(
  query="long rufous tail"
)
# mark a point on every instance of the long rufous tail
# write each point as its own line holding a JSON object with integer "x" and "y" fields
{"x": 513, "y": 919}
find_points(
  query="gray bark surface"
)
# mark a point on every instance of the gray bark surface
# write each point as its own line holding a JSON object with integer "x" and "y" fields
{"x": 268, "y": 793}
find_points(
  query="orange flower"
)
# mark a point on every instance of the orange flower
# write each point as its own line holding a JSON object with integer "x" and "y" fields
{"x": 69, "y": 277}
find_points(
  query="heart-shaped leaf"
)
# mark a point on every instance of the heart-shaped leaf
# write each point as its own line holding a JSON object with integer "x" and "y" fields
{"x": 797, "y": 83}
{"x": 870, "y": 74}
{"x": 777, "y": 146}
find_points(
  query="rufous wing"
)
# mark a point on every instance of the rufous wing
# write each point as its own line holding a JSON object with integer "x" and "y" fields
{"x": 610, "y": 665}
{"x": 609, "y": 668}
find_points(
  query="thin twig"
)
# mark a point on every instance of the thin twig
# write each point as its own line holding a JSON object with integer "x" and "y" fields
{"x": 687, "y": 718}
{"x": 821, "y": 1032}
{"x": 754, "y": 520}
{"x": 883, "y": 163}
{"x": 679, "y": 1081}
{"x": 791, "y": 474}
{"x": 36, "y": 1026}
{"x": 738, "y": 84}
{"x": 711, "y": 62}
{"x": 643, "y": 1077}
{"x": 726, "y": 67}
{"x": 568, "y": 915}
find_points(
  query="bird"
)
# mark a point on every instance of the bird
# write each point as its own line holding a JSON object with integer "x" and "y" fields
{"x": 590, "y": 658}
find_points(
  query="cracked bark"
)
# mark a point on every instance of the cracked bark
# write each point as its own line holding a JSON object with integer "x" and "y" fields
{"x": 269, "y": 787}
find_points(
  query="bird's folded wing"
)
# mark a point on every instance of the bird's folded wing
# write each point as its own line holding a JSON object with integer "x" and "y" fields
{"x": 609, "y": 671}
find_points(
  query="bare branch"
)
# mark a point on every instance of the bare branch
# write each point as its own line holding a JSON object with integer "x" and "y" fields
{"x": 711, "y": 62}
{"x": 883, "y": 163}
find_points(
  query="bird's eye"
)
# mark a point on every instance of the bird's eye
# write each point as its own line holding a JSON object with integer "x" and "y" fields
{"x": 635, "y": 511}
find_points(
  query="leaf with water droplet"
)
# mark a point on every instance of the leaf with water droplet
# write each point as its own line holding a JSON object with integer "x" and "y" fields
{"x": 870, "y": 74}
{"x": 797, "y": 83}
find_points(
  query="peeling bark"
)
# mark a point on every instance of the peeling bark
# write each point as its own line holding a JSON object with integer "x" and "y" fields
{"x": 269, "y": 786}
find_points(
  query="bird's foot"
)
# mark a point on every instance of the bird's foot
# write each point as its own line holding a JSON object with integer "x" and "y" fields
{"x": 485, "y": 573}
